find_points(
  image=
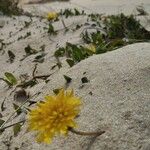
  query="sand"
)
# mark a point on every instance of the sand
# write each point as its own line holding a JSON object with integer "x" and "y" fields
{"x": 119, "y": 80}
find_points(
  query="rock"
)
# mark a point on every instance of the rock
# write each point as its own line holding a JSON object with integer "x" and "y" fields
{"x": 146, "y": 145}
{"x": 125, "y": 112}
{"x": 122, "y": 113}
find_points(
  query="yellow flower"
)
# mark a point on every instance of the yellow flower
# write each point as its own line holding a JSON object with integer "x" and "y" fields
{"x": 54, "y": 116}
{"x": 52, "y": 16}
{"x": 91, "y": 47}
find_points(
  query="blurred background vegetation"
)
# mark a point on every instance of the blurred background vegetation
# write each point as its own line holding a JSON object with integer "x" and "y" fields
{"x": 10, "y": 7}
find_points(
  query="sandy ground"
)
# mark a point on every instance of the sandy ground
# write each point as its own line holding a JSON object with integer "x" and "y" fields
{"x": 119, "y": 80}
{"x": 95, "y": 6}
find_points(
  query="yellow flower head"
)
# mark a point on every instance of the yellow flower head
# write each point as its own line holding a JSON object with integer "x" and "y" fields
{"x": 54, "y": 116}
{"x": 52, "y": 16}
{"x": 91, "y": 47}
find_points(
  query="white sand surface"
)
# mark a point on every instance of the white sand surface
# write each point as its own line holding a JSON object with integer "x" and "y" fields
{"x": 119, "y": 80}
{"x": 95, "y": 6}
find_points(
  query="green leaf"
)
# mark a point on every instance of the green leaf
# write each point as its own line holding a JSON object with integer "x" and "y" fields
{"x": 32, "y": 102}
{"x": 16, "y": 129}
{"x": 11, "y": 56}
{"x": 53, "y": 67}
{"x": 1, "y": 115}
{"x": 42, "y": 48}
{"x": 10, "y": 78}
{"x": 19, "y": 111}
{"x": 71, "y": 12}
{"x": 30, "y": 83}
{"x": 29, "y": 50}
{"x": 84, "y": 80}
{"x": 2, "y": 106}
{"x": 1, "y": 131}
{"x": 56, "y": 91}
{"x": 100, "y": 50}
{"x": 1, "y": 122}
{"x": 60, "y": 52}
{"x": 76, "y": 12}
{"x": 39, "y": 58}
{"x": 115, "y": 44}
{"x": 51, "y": 30}
{"x": 68, "y": 79}
{"x": 59, "y": 65}
{"x": 27, "y": 24}
{"x": 70, "y": 62}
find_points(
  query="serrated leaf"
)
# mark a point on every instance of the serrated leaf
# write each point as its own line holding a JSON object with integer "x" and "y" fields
{"x": 19, "y": 111}
{"x": 10, "y": 78}
{"x": 68, "y": 79}
{"x": 16, "y": 129}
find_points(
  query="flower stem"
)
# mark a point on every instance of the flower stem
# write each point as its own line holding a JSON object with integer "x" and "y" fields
{"x": 98, "y": 133}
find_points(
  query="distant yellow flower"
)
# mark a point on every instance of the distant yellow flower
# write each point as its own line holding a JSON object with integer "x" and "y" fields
{"x": 91, "y": 47}
{"x": 54, "y": 116}
{"x": 52, "y": 16}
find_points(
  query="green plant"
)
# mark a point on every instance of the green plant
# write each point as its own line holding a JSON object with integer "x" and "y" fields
{"x": 51, "y": 29}
{"x": 10, "y": 79}
{"x": 71, "y": 12}
{"x": 117, "y": 31}
{"x": 121, "y": 26}
{"x": 75, "y": 53}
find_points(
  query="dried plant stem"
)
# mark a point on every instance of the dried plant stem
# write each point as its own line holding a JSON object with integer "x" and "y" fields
{"x": 41, "y": 77}
{"x": 98, "y": 133}
{"x": 34, "y": 70}
{"x": 34, "y": 77}
{"x": 63, "y": 22}
{"x": 4, "y": 80}
{"x": 1, "y": 127}
{"x": 12, "y": 125}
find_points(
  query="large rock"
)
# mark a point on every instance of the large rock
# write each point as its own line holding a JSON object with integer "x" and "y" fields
{"x": 116, "y": 99}
{"x": 120, "y": 83}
